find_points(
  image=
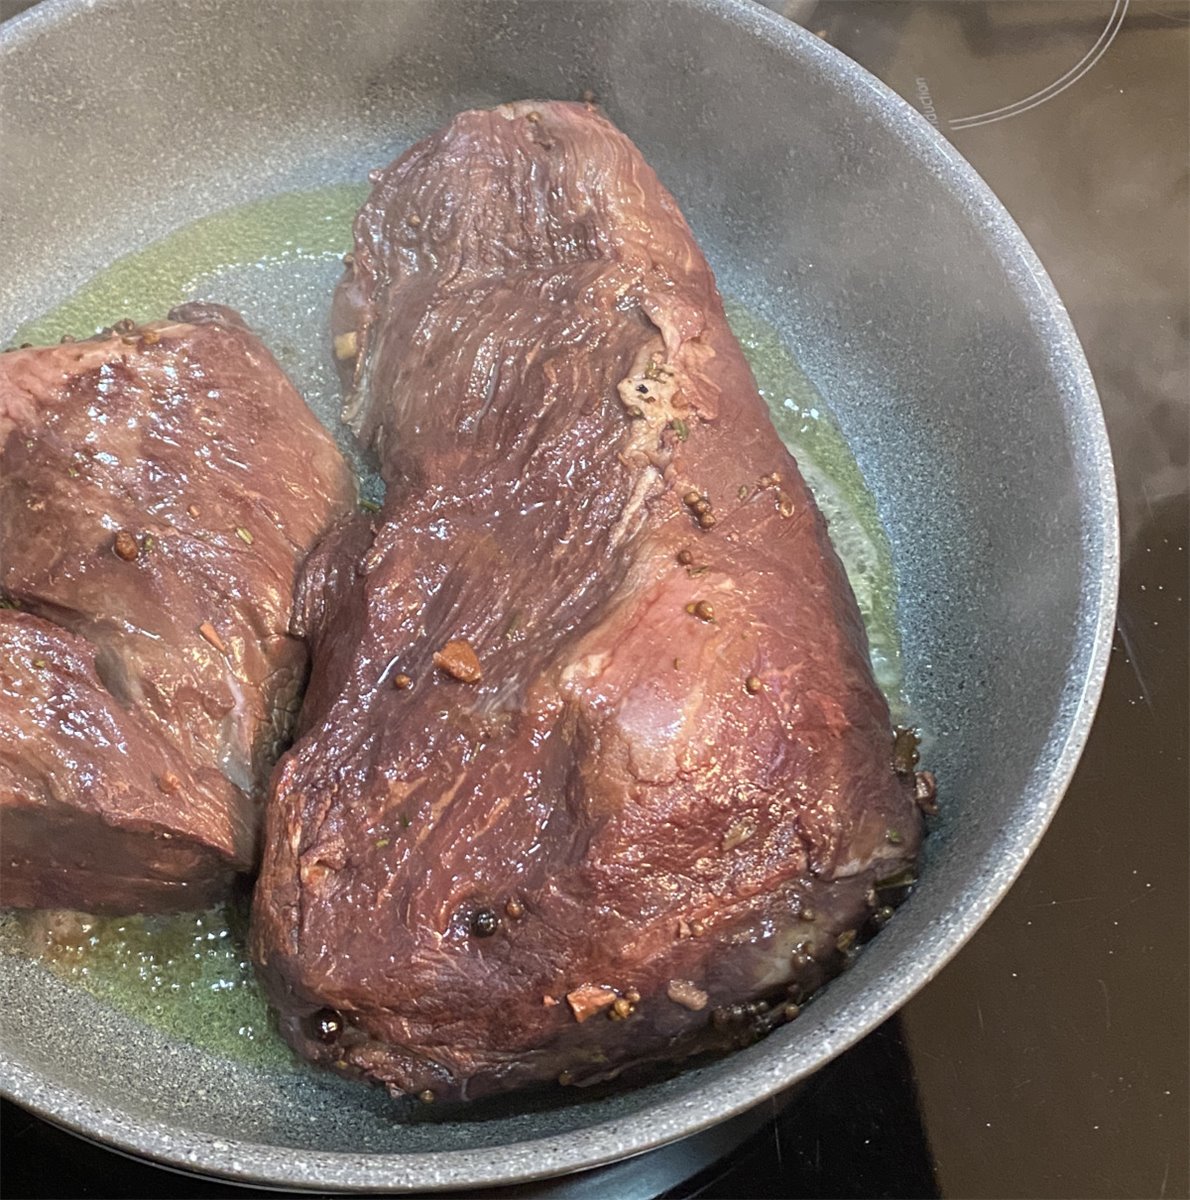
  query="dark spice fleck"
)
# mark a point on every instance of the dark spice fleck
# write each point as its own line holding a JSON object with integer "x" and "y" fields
{"x": 643, "y": 388}
{"x": 125, "y": 545}
{"x": 882, "y": 916}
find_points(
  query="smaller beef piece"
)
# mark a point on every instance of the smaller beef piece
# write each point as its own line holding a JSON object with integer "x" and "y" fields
{"x": 160, "y": 487}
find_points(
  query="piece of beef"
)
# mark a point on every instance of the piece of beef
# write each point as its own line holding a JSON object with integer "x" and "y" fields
{"x": 95, "y": 803}
{"x": 594, "y": 764}
{"x": 159, "y": 488}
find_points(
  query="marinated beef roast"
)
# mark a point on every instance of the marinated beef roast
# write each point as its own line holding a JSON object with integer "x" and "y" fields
{"x": 159, "y": 488}
{"x": 593, "y": 769}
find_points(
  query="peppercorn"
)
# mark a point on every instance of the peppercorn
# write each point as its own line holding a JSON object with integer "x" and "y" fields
{"x": 484, "y": 922}
{"x": 325, "y": 1025}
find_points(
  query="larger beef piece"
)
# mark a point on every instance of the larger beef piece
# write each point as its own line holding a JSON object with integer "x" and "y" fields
{"x": 159, "y": 488}
{"x": 595, "y": 770}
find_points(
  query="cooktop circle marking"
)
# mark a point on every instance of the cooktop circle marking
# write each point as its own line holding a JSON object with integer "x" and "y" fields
{"x": 1097, "y": 51}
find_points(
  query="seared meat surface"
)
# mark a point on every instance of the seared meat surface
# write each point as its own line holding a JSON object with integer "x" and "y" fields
{"x": 159, "y": 489}
{"x": 593, "y": 766}
{"x": 97, "y": 807}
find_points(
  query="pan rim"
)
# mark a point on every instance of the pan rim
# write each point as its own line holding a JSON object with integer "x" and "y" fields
{"x": 613, "y": 1140}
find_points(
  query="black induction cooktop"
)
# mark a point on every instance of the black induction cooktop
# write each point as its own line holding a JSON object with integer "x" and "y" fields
{"x": 1050, "y": 1059}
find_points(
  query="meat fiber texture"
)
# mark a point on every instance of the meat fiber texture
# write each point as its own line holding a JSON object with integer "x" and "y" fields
{"x": 594, "y": 769}
{"x": 160, "y": 486}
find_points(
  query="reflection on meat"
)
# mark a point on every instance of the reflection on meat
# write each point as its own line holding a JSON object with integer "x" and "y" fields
{"x": 651, "y": 813}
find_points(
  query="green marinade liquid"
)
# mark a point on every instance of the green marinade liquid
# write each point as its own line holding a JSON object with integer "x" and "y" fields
{"x": 296, "y": 226}
{"x": 276, "y": 260}
{"x": 186, "y": 973}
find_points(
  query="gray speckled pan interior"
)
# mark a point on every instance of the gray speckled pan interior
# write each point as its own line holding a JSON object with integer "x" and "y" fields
{"x": 910, "y": 298}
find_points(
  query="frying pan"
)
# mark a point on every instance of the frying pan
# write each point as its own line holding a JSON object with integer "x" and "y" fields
{"x": 837, "y": 214}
